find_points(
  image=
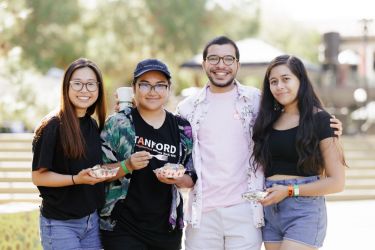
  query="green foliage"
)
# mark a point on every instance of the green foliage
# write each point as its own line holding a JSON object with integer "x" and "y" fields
{"x": 10, "y": 17}
{"x": 293, "y": 39}
{"x": 241, "y": 21}
{"x": 45, "y": 36}
{"x": 116, "y": 34}
{"x": 21, "y": 100}
{"x": 176, "y": 24}
{"x": 119, "y": 33}
{"x": 20, "y": 231}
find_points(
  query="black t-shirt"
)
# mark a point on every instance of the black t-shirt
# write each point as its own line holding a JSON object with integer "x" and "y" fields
{"x": 69, "y": 202}
{"x": 282, "y": 145}
{"x": 146, "y": 208}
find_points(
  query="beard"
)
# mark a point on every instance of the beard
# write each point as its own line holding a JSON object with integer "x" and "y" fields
{"x": 221, "y": 85}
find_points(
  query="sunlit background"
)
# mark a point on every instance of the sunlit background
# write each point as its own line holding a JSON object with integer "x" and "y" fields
{"x": 39, "y": 38}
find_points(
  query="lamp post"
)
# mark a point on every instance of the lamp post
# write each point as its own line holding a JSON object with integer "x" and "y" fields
{"x": 365, "y": 22}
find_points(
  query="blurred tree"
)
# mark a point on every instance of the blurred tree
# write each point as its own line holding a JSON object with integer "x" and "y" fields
{"x": 10, "y": 17}
{"x": 293, "y": 38}
{"x": 22, "y": 98}
{"x": 47, "y": 37}
{"x": 238, "y": 20}
{"x": 179, "y": 26}
{"x": 186, "y": 26}
{"x": 118, "y": 33}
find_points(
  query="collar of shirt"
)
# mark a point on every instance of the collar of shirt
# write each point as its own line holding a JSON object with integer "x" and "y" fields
{"x": 242, "y": 93}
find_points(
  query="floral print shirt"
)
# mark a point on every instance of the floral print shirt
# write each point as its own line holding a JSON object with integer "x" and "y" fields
{"x": 194, "y": 109}
{"x": 118, "y": 142}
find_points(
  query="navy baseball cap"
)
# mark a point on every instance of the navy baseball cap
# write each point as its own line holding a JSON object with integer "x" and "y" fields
{"x": 151, "y": 65}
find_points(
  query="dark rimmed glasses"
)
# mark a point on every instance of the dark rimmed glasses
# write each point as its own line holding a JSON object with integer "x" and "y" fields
{"x": 146, "y": 87}
{"x": 227, "y": 60}
{"x": 78, "y": 85}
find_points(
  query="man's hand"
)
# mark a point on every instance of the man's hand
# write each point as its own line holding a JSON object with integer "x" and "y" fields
{"x": 337, "y": 125}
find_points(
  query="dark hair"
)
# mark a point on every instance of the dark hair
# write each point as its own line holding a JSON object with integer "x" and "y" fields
{"x": 221, "y": 40}
{"x": 70, "y": 134}
{"x": 310, "y": 160}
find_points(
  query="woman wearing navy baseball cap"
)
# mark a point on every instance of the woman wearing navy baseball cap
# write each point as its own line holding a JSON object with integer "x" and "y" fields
{"x": 143, "y": 207}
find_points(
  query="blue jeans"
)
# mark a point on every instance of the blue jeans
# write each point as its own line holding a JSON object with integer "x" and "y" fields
{"x": 75, "y": 234}
{"x": 302, "y": 219}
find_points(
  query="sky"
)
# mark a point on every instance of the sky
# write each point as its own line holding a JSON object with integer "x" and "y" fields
{"x": 325, "y": 15}
{"x": 342, "y": 16}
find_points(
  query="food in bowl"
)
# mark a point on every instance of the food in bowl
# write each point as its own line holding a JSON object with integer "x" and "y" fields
{"x": 254, "y": 195}
{"x": 171, "y": 170}
{"x": 100, "y": 171}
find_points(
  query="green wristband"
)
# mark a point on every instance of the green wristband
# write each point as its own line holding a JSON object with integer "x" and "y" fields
{"x": 123, "y": 166}
{"x": 296, "y": 190}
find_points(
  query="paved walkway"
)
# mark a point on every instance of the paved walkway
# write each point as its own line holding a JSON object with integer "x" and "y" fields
{"x": 351, "y": 224}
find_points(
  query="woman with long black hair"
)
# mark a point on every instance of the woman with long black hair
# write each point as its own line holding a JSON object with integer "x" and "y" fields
{"x": 66, "y": 145}
{"x": 300, "y": 155}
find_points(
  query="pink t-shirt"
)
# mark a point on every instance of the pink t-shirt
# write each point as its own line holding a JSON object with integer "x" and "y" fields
{"x": 224, "y": 152}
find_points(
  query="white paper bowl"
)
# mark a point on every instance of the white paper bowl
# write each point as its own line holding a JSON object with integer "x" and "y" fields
{"x": 255, "y": 195}
{"x": 171, "y": 170}
{"x": 100, "y": 171}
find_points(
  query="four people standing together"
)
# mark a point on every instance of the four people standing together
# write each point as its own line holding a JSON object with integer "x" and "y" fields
{"x": 226, "y": 149}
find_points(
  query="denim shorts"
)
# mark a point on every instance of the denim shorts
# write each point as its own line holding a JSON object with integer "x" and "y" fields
{"x": 302, "y": 219}
{"x": 75, "y": 234}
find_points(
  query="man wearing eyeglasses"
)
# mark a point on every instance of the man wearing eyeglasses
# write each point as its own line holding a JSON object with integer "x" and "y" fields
{"x": 222, "y": 115}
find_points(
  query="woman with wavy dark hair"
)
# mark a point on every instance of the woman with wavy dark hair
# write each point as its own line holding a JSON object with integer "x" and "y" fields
{"x": 300, "y": 155}
{"x": 65, "y": 146}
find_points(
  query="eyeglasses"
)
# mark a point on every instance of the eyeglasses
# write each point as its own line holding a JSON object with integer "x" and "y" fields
{"x": 146, "y": 87}
{"x": 78, "y": 85}
{"x": 227, "y": 60}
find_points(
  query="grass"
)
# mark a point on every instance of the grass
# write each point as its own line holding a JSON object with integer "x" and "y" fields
{"x": 20, "y": 231}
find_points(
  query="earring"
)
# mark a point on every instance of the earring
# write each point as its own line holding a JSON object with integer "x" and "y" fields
{"x": 276, "y": 106}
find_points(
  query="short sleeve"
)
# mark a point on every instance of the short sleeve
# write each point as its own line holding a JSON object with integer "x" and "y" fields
{"x": 323, "y": 128}
{"x": 44, "y": 146}
{"x": 117, "y": 138}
